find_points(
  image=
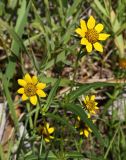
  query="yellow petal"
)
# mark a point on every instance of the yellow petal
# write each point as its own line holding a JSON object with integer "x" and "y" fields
{"x": 84, "y": 41}
{"x": 33, "y": 100}
{"x": 89, "y": 116}
{"x": 99, "y": 27}
{"x": 81, "y": 132}
{"x": 22, "y": 82}
{"x": 89, "y": 47}
{"x": 78, "y": 118}
{"x": 34, "y": 80}
{"x": 47, "y": 140}
{"x": 51, "y": 137}
{"x": 93, "y": 122}
{"x": 45, "y": 131}
{"x": 84, "y": 100}
{"x": 41, "y": 93}
{"x": 86, "y": 133}
{"x": 20, "y": 90}
{"x": 103, "y": 36}
{"x": 51, "y": 130}
{"x": 96, "y": 107}
{"x": 80, "y": 32}
{"x": 96, "y": 103}
{"x": 27, "y": 78}
{"x": 41, "y": 85}
{"x": 47, "y": 125}
{"x": 89, "y": 129}
{"x": 87, "y": 98}
{"x": 83, "y": 25}
{"x": 92, "y": 97}
{"x": 98, "y": 47}
{"x": 24, "y": 97}
{"x": 91, "y": 22}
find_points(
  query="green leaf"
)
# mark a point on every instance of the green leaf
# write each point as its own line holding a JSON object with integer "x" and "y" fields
{"x": 60, "y": 57}
{"x": 19, "y": 29}
{"x": 73, "y": 8}
{"x": 74, "y": 155}
{"x": 51, "y": 95}
{"x": 49, "y": 156}
{"x": 14, "y": 35}
{"x": 122, "y": 27}
{"x": 86, "y": 87}
{"x": 10, "y": 102}
{"x": 100, "y": 7}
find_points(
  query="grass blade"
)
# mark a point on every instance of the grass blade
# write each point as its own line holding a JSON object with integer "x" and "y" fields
{"x": 19, "y": 29}
{"x": 83, "y": 88}
{"x": 10, "y": 102}
{"x": 51, "y": 95}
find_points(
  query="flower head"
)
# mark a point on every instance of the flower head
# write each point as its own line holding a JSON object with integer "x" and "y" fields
{"x": 46, "y": 131}
{"x": 30, "y": 88}
{"x": 90, "y": 103}
{"x": 90, "y": 34}
{"x": 83, "y": 128}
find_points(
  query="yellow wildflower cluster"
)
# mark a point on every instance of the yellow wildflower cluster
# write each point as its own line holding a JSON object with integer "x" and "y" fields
{"x": 83, "y": 128}
{"x": 91, "y": 107}
{"x": 31, "y": 88}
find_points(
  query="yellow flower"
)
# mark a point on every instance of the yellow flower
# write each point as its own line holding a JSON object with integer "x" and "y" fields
{"x": 85, "y": 131}
{"x": 90, "y": 103}
{"x": 31, "y": 88}
{"x": 47, "y": 132}
{"x": 90, "y": 34}
{"x": 83, "y": 128}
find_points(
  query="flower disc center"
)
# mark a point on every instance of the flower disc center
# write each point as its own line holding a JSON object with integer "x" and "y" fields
{"x": 92, "y": 35}
{"x": 91, "y": 105}
{"x": 30, "y": 90}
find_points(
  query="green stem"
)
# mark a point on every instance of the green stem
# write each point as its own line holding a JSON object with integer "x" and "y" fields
{"x": 111, "y": 142}
{"x": 74, "y": 76}
{"x": 30, "y": 118}
{"x": 36, "y": 114}
{"x": 75, "y": 68}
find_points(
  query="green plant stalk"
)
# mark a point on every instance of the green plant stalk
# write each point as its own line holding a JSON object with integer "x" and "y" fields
{"x": 1, "y": 153}
{"x": 30, "y": 118}
{"x": 51, "y": 95}
{"x": 75, "y": 68}
{"x": 36, "y": 114}
{"x": 110, "y": 145}
{"x": 74, "y": 75}
{"x": 41, "y": 147}
{"x": 75, "y": 71}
